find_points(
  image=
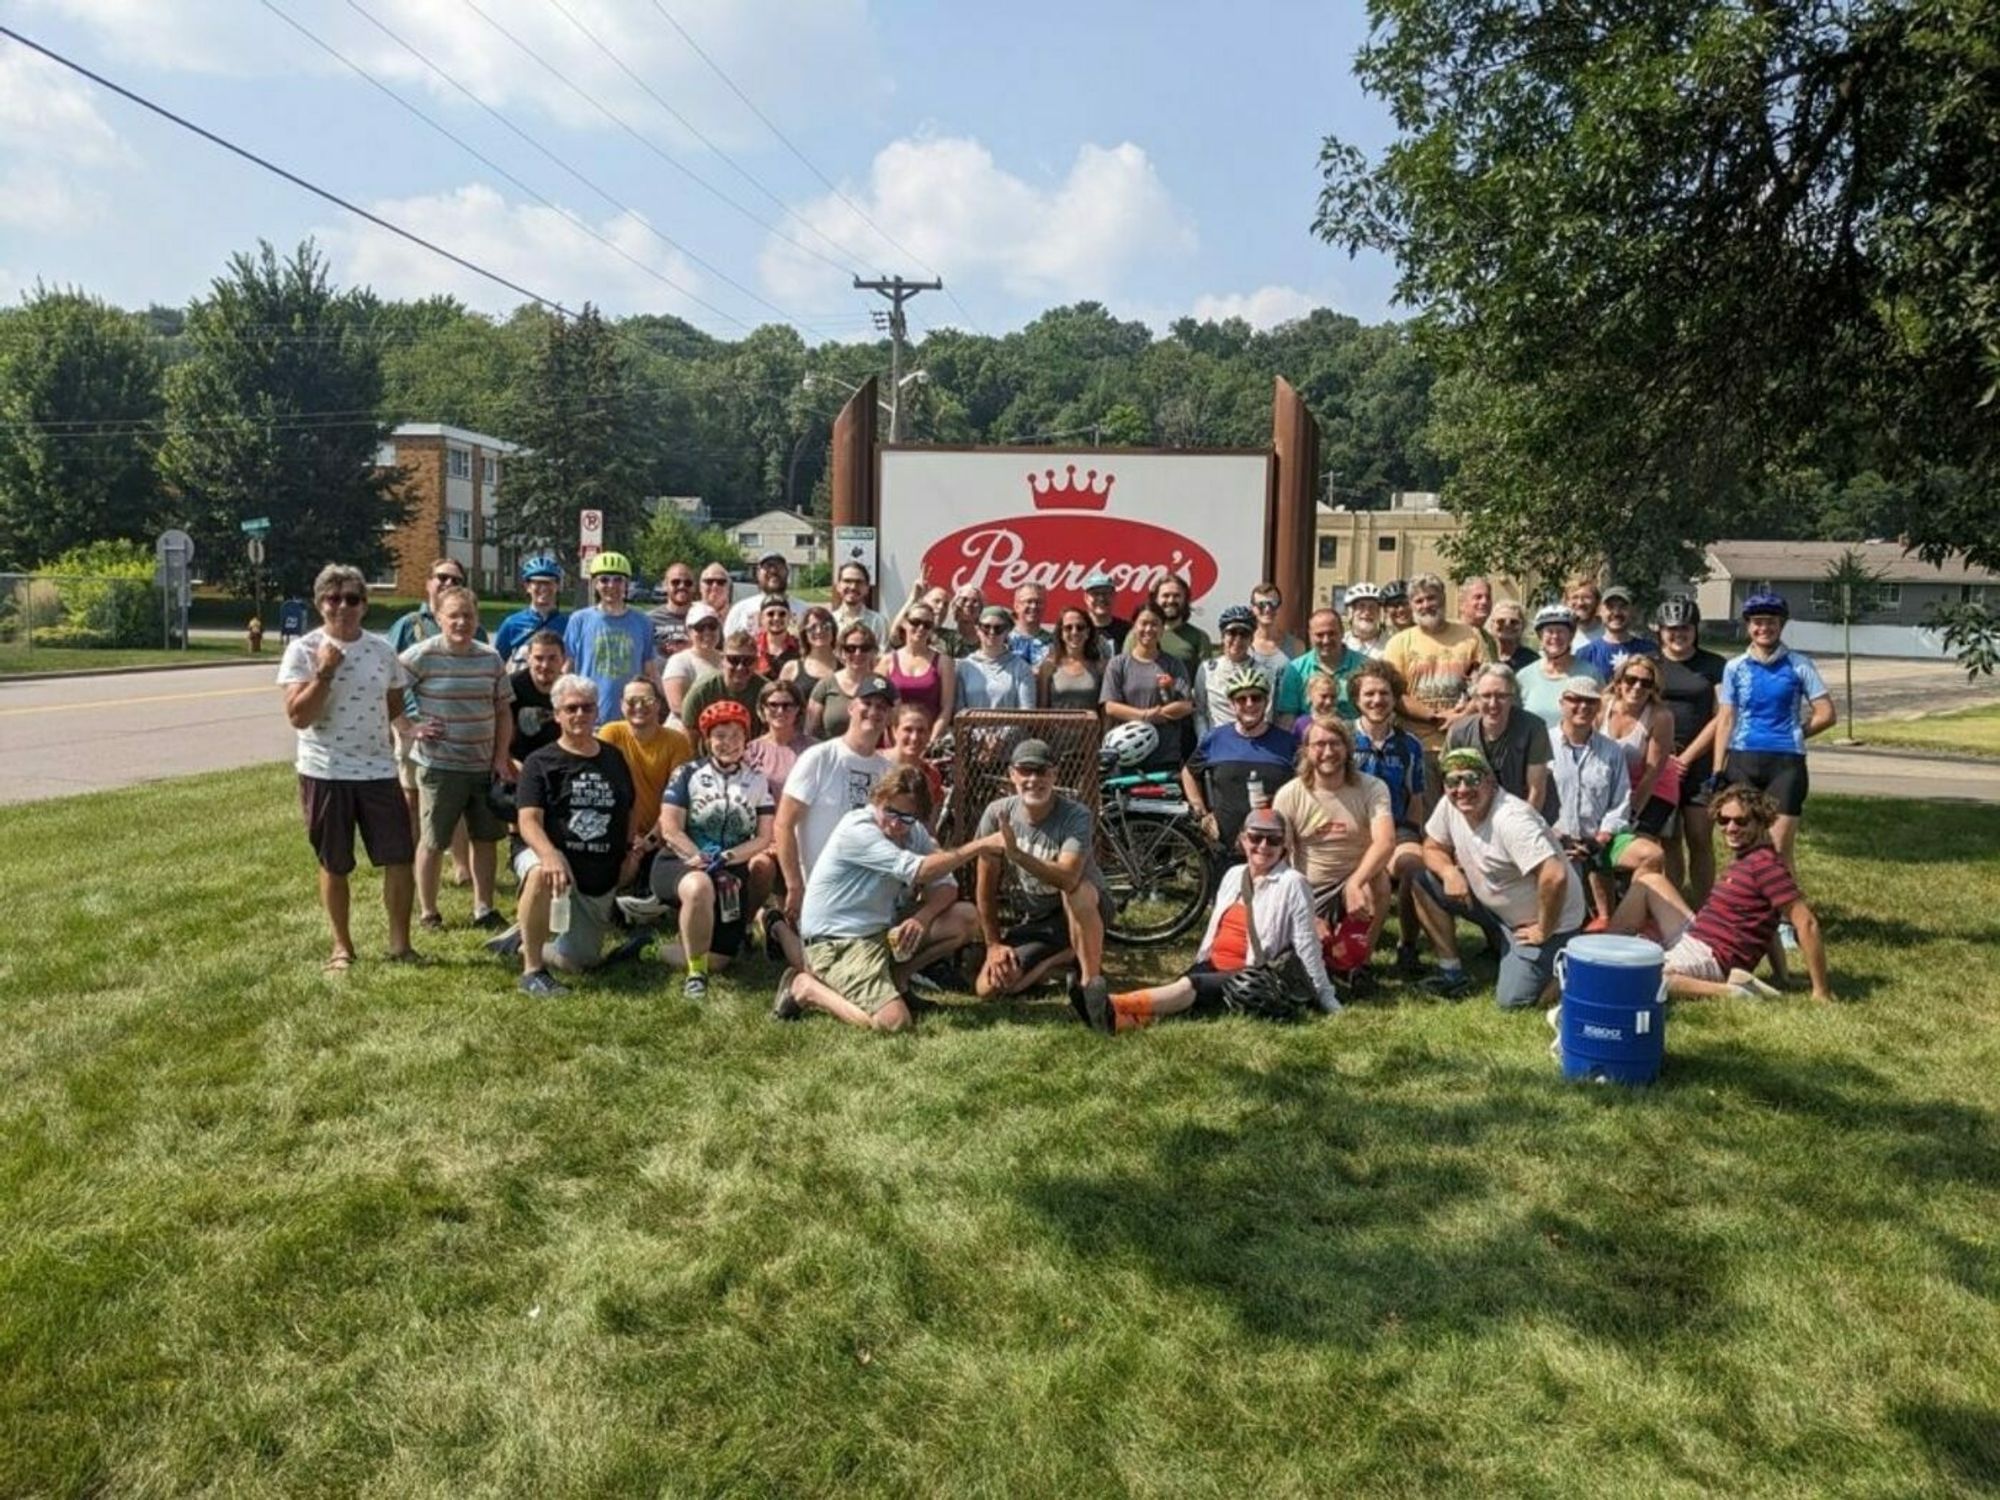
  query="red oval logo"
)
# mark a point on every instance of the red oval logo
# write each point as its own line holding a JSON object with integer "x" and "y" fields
{"x": 1059, "y": 549}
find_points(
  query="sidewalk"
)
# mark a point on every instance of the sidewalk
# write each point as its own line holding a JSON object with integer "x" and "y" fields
{"x": 1868, "y": 771}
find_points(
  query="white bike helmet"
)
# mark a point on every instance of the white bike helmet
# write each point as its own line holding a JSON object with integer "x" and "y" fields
{"x": 1132, "y": 743}
{"x": 1553, "y": 614}
{"x": 1360, "y": 591}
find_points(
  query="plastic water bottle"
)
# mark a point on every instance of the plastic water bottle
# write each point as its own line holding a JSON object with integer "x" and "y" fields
{"x": 1258, "y": 796}
{"x": 559, "y": 912}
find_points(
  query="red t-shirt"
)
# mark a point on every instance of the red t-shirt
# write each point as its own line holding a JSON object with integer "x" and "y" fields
{"x": 1742, "y": 911}
{"x": 1231, "y": 949}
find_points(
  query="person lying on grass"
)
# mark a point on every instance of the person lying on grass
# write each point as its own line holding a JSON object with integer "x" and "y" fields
{"x": 1714, "y": 951}
{"x": 860, "y": 955}
{"x": 1280, "y": 902}
{"x": 1046, "y": 859}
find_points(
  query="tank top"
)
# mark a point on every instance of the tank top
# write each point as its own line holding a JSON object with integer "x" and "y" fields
{"x": 1633, "y": 742}
{"x": 925, "y": 688}
{"x": 1074, "y": 687}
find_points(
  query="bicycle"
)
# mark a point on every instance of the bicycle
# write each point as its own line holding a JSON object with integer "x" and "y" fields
{"x": 1158, "y": 864}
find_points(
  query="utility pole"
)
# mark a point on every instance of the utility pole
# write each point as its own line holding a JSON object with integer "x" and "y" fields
{"x": 898, "y": 291}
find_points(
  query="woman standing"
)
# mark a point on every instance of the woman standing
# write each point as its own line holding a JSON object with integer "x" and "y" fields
{"x": 817, "y": 659}
{"x": 777, "y": 749}
{"x": 826, "y": 712}
{"x": 1689, "y": 676}
{"x": 1144, "y": 684}
{"x": 1070, "y": 676}
{"x": 923, "y": 677}
{"x": 1644, "y": 730}
{"x": 702, "y": 656}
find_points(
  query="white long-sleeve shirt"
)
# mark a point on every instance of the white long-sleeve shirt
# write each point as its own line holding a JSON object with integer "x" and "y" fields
{"x": 1593, "y": 788}
{"x": 1281, "y": 905}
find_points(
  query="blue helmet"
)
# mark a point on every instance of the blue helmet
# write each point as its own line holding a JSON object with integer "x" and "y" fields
{"x": 1766, "y": 603}
{"x": 1235, "y": 615}
{"x": 541, "y": 565}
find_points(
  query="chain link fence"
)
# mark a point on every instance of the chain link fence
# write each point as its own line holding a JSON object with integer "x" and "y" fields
{"x": 983, "y": 739}
{"x": 58, "y": 610}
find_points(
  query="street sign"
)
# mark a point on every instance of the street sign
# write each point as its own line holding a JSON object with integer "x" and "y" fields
{"x": 256, "y": 551}
{"x": 258, "y": 526}
{"x": 590, "y": 530}
{"x": 173, "y": 549}
{"x": 855, "y": 544}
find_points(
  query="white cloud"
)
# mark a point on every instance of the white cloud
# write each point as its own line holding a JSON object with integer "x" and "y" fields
{"x": 1266, "y": 307}
{"x": 952, "y": 206}
{"x": 534, "y": 246}
{"x": 41, "y": 198}
{"x": 52, "y": 139}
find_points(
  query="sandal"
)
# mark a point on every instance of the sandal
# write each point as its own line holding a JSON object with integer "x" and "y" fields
{"x": 431, "y": 921}
{"x": 340, "y": 963}
{"x": 407, "y": 956}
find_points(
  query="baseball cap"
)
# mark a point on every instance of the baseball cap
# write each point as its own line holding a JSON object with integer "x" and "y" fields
{"x": 1265, "y": 820}
{"x": 701, "y": 612}
{"x": 996, "y": 614}
{"x": 1580, "y": 686}
{"x": 1031, "y": 753}
{"x": 1465, "y": 758}
{"x": 876, "y": 686}
{"x": 772, "y": 554}
{"x": 1616, "y": 591}
{"x": 1099, "y": 580}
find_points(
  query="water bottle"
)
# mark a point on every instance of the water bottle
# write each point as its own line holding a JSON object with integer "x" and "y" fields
{"x": 559, "y": 913}
{"x": 1258, "y": 796}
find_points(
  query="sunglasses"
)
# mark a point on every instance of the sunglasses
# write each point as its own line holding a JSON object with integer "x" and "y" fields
{"x": 741, "y": 661}
{"x": 788, "y": 704}
{"x": 715, "y": 583}
{"x": 1265, "y": 840}
{"x": 1246, "y": 700}
{"x": 1459, "y": 780}
{"x": 577, "y": 708}
{"x": 1739, "y": 821}
{"x": 352, "y": 601}
{"x": 900, "y": 819}
{"x": 680, "y": 583}
{"x": 916, "y": 624}
{"x": 458, "y": 578}
{"x": 1263, "y": 606}
{"x": 856, "y": 646}
{"x": 984, "y": 628}
{"x": 631, "y": 703}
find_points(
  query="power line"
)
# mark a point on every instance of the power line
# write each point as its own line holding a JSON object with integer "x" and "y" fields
{"x": 476, "y": 154}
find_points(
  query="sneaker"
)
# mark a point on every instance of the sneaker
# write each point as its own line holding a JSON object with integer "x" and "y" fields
{"x": 506, "y": 945}
{"x": 1598, "y": 923}
{"x": 1752, "y": 988}
{"x": 1408, "y": 965}
{"x": 1447, "y": 984}
{"x": 1078, "y": 1002}
{"x": 783, "y": 1006}
{"x": 631, "y": 948}
{"x": 1789, "y": 936}
{"x": 646, "y": 908}
{"x": 694, "y": 987}
{"x": 1097, "y": 1012}
{"x": 488, "y": 920}
{"x": 536, "y": 982}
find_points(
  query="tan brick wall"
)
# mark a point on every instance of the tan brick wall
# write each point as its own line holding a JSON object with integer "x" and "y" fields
{"x": 419, "y": 541}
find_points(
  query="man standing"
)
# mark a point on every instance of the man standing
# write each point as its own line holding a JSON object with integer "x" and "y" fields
{"x": 1772, "y": 701}
{"x": 462, "y": 696}
{"x": 859, "y": 954}
{"x": 611, "y": 643}
{"x": 1099, "y": 590}
{"x": 716, "y": 588}
{"x": 1331, "y": 656}
{"x": 1213, "y": 676}
{"x": 421, "y": 623}
{"x": 850, "y": 585}
{"x": 737, "y": 681}
{"x": 669, "y": 618}
{"x": 1475, "y": 603}
{"x": 1239, "y": 764}
{"x": 993, "y": 676}
{"x": 1060, "y": 896}
{"x": 343, "y": 690}
{"x": 1582, "y": 595}
{"x": 1616, "y": 639}
{"x": 1715, "y": 950}
{"x": 1364, "y": 619}
{"x": 1489, "y": 857}
{"x": 1437, "y": 659}
{"x": 1507, "y": 624}
{"x": 1181, "y": 638}
{"x": 1270, "y": 645}
{"x": 541, "y": 576}
{"x": 533, "y": 711}
{"x": 774, "y": 580}
{"x": 1515, "y": 744}
{"x": 1030, "y": 640}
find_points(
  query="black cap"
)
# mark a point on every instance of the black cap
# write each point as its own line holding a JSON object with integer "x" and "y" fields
{"x": 876, "y": 686}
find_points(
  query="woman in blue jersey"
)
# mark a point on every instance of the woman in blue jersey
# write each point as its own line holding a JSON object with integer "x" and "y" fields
{"x": 1772, "y": 700}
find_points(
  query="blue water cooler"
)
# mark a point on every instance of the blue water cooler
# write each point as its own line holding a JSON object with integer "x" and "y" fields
{"x": 1613, "y": 1023}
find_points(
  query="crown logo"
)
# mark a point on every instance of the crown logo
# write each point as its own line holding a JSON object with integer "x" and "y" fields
{"x": 1069, "y": 495}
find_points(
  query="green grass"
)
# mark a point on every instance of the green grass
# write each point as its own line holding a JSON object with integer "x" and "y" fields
{"x": 16, "y": 658}
{"x": 268, "y": 1232}
{"x": 1969, "y": 731}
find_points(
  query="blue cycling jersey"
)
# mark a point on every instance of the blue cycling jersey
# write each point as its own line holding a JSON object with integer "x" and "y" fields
{"x": 1397, "y": 761}
{"x": 1769, "y": 698}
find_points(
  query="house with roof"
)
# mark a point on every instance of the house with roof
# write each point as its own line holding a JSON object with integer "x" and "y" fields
{"x": 800, "y": 540}
{"x": 1899, "y": 623}
{"x": 450, "y": 479}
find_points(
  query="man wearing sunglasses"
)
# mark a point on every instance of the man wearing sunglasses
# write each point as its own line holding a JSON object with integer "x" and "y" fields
{"x": 1241, "y": 764}
{"x": 860, "y": 953}
{"x": 343, "y": 690}
{"x": 1714, "y": 951}
{"x": 669, "y": 618}
{"x": 1489, "y": 857}
{"x": 774, "y": 581}
{"x": 737, "y": 682}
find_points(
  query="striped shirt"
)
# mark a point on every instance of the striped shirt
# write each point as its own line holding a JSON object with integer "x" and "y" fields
{"x": 462, "y": 690}
{"x": 1741, "y": 913}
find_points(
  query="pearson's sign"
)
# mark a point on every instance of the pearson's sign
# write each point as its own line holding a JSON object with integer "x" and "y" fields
{"x": 995, "y": 519}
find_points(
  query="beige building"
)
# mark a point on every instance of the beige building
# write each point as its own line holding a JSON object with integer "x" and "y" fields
{"x": 451, "y": 481}
{"x": 801, "y": 540}
{"x": 1375, "y": 546}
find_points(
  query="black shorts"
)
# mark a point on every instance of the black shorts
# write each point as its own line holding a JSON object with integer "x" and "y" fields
{"x": 1694, "y": 783}
{"x": 1208, "y": 981}
{"x": 1778, "y": 773}
{"x": 727, "y": 939}
{"x": 1040, "y": 936}
{"x": 1654, "y": 818}
{"x": 334, "y": 809}
{"x": 1409, "y": 833}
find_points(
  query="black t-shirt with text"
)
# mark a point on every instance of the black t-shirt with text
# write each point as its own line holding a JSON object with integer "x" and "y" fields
{"x": 586, "y": 803}
{"x": 534, "y": 717}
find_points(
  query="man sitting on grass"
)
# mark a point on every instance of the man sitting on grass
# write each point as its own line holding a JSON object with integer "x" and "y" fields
{"x": 576, "y": 846}
{"x": 860, "y": 955}
{"x": 1063, "y": 905}
{"x": 1714, "y": 951}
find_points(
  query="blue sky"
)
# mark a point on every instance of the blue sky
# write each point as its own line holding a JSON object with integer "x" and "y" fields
{"x": 1160, "y": 158}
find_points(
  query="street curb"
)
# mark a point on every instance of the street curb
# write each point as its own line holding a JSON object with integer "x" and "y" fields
{"x": 1905, "y": 752}
{"x": 165, "y": 666}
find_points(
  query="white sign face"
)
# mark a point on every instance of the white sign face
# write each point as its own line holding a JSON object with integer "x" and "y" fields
{"x": 590, "y": 529}
{"x": 855, "y": 544}
{"x": 997, "y": 519}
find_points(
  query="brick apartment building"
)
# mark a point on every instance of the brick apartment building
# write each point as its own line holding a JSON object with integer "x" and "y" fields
{"x": 451, "y": 481}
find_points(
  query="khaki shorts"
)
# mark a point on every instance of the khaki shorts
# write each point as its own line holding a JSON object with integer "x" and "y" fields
{"x": 857, "y": 969}
{"x": 446, "y": 796}
{"x": 1691, "y": 958}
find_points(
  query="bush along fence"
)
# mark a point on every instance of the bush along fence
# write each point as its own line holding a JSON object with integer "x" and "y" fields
{"x": 75, "y": 610}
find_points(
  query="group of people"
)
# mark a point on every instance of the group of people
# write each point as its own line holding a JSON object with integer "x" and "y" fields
{"x": 724, "y": 772}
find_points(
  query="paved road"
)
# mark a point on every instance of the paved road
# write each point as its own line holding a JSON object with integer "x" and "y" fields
{"x": 83, "y": 734}
{"x": 1889, "y": 689}
{"x": 1867, "y": 773}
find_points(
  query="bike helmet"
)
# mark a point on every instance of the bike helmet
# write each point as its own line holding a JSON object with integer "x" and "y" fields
{"x": 1246, "y": 680}
{"x": 1767, "y": 603}
{"x": 724, "y": 711}
{"x": 541, "y": 565}
{"x": 1675, "y": 612}
{"x": 614, "y": 563}
{"x": 1553, "y": 614}
{"x": 1132, "y": 743}
{"x": 1394, "y": 592}
{"x": 1358, "y": 593}
{"x": 1236, "y": 617}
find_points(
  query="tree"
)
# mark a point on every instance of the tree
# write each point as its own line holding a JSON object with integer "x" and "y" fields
{"x": 1971, "y": 633}
{"x": 576, "y": 416}
{"x": 273, "y": 414}
{"x": 671, "y": 537}
{"x": 1661, "y": 246}
{"x": 441, "y": 363}
{"x": 80, "y": 405}
{"x": 1851, "y": 587}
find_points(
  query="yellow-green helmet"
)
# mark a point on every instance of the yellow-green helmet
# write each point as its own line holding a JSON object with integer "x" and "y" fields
{"x": 610, "y": 562}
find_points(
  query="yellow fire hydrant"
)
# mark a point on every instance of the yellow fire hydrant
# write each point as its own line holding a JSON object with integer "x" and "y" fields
{"x": 256, "y": 634}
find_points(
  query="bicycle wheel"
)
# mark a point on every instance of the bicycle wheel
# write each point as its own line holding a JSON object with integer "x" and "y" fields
{"x": 1158, "y": 872}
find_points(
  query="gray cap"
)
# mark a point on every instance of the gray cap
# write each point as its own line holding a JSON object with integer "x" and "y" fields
{"x": 1032, "y": 753}
{"x": 996, "y": 614}
{"x": 772, "y": 554}
{"x": 1616, "y": 591}
{"x": 1580, "y": 686}
{"x": 1265, "y": 820}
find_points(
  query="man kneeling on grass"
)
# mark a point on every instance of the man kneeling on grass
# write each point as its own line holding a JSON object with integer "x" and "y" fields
{"x": 1046, "y": 857}
{"x": 578, "y": 842}
{"x": 859, "y": 954}
{"x": 1714, "y": 951}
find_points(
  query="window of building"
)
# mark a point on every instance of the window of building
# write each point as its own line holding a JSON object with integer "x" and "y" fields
{"x": 385, "y": 455}
{"x": 747, "y": 538}
{"x": 1888, "y": 596}
{"x": 489, "y": 470}
{"x": 1329, "y": 551}
{"x": 458, "y": 525}
{"x": 458, "y": 463}
{"x": 803, "y": 540}
{"x": 1385, "y": 544}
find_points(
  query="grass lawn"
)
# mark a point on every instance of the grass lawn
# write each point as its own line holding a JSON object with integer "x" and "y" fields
{"x": 22, "y": 659}
{"x": 1969, "y": 731}
{"x": 406, "y": 1232}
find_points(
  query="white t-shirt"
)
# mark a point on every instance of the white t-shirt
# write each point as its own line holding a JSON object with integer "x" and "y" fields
{"x": 350, "y": 739}
{"x": 1500, "y": 857}
{"x": 831, "y": 780}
